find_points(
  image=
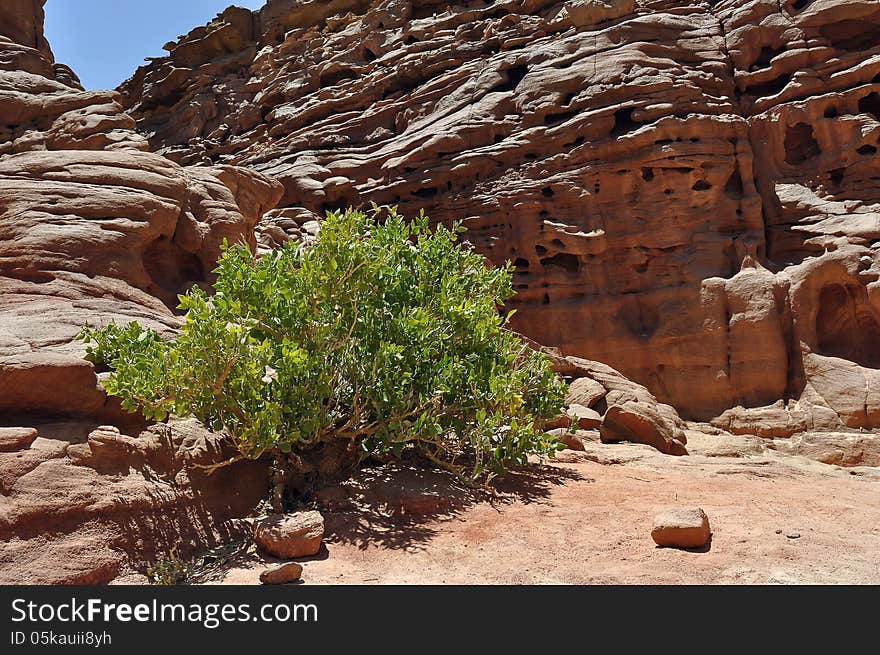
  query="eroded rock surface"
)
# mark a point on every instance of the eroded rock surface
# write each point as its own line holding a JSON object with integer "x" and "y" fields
{"x": 688, "y": 189}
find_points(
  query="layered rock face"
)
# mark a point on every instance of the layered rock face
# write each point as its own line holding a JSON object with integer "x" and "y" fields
{"x": 94, "y": 228}
{"x": 687, "y": 189}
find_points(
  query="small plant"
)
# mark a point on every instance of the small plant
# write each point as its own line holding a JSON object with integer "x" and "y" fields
{"x": 168, "y": 570}
{"x": 383, "y": 337}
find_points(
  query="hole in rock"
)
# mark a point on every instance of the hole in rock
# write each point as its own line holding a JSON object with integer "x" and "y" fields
{"x": 540, "y": 250}
{"x": 734, "y": 185}
{"x": 647, "y": 174}
{"x": 513, "y": 76}
{"x": 846, "y": 326}
{"x": 557, "y": 119}
{"x": 831, "y": 112}
{"x": 401, "y": 85}
{"x": 866, "y": 149}
{"x": 521, "y": 263}
{"x": 429, "y": 192}
{"x": 369, "y": 55}
{"x": 770, "y": 87}
{"x": 836, "y": 176}
{"x": 557, "y": 243}
{"x": 37, "y": 277}
{"x": 546, "y": 300}
{"x": 563, "y": 260}
{"x": 410, "y": 39}
{"x": 548, "y": 192}
{"x": 623, "y": 122}
{"x": 870, "y": 105}
{"x": 701, "y": 185}
{"x": 766, "y": 55}
{"x": 335, "y": 77}
{"x": 797, "y": 5}
{"x": 421, "y": 10}
{"x": 800, "y": 144}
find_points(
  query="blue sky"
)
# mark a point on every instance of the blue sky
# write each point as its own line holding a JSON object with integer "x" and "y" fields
{"x": 105, "y": 41}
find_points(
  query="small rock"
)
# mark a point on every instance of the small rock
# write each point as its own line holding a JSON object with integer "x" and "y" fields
{"x": 284, "y": 574}
{"x": 779, "y": 532}
{"x": 794, "y": 535}
{"x": 12, "y": 439}
{"x": 681, "y": 527}
{"x": 288, "y": 536}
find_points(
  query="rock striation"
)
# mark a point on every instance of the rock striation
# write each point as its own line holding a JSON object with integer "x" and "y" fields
{"x": 687, "y": 189}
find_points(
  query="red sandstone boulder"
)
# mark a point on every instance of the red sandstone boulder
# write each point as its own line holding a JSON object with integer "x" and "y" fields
{"x": 288, "y": 536}
{"x": 641, "y": 423}
{"x": 681, "y": 527}
{"x": 14, "y": 439}
{"x": 284, "y": 574}
{"x": 585, "y": 392}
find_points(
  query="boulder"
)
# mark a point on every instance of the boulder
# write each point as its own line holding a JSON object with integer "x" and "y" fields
{"x": 288, "y": 536}
{"x": 681, "y": 527}
{"x": 642, "y": 423}
{"x": 284, "y": 574}
{"x": 585, "y": 392}
{"x": 584, "y": 417}
{"x": 12, "y": 439}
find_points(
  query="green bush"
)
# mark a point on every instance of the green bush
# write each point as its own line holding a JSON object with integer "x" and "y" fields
{"x": 384, "y": 335}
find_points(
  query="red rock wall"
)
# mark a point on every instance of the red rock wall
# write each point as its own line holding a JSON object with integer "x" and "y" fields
{"x": 688, "y": 189}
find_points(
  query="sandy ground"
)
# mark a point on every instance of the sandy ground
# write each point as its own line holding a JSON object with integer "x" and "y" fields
{"x": 774, "y": 519}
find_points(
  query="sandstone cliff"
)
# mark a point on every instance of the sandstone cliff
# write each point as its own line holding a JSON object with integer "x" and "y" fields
{"x": 688, "y": 189}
